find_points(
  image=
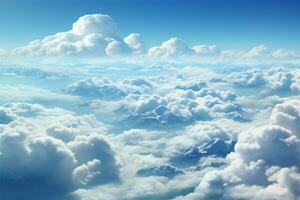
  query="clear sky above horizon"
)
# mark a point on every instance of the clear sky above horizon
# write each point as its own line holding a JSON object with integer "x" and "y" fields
{"x": 227, "y": 23}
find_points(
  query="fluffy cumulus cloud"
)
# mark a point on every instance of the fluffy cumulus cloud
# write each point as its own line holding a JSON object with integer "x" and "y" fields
{"x": 49, "y": 153}
{"x": 280, "y": 80}
{"x": 91, "y": 35}
{"x": 183, "y": 104}
{"x": 148, "y": 171}
{"x": 135, "y": 42}
{"x": 171, "y": 48}
{"x": 177, "y": 48}
{"x": 106, "y": 89}
{"x": 97, "y": 36}
{"x": 265, "y": 163}
{"x": 148, "y": 129}
{"x": 207, "y": 50}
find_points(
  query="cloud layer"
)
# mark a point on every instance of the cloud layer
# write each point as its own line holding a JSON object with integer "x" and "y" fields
{"x": 151, "y": 131}
{"x": 265, "y": 161}
{"x": 161, "y": 126}
{"x": 97, "y": 36}
{"x": 51, "y": 152}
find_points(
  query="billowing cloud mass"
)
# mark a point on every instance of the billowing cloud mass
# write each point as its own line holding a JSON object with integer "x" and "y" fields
{"x": 274, "y": 80}
{"x": 162, "y": 125}
{"x": 97, "y": 36}
{"x": 176, "y": 47}
{"x": 135, "y": 42}
{"x": 107, "y": 89}
{"x": 91, "y": 35}
{"x": 51, "y": 152}
{"x": 265, "y": 164}
{"x": 149, "y": 131}
{"x": 170, "y": 48}
{"x": 184, "y": 104}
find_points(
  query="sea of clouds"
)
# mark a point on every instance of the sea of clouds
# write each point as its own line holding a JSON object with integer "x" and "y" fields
{"x": 158, "y": 125}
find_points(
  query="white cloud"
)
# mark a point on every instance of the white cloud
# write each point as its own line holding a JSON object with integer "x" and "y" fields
{"x": 148, "y": 152}
{"x": 260, "y": 51}
{"x": 184, "y": 104}
{"x": 91, "y": 35}
{"x": 138, "y": 162}
{"x": 257, "y": 52}
{"x": 25, "y": 93}
{"x": 211, "y": 187}
{"x": 135, "y": 42}
{"x": 95, "y": 154}
{"x": 33, "y": 157}
{"x": 280, "y": 53}
{"x": 258, "y": 147}
{"x": 207, "y": 50}
{"x": 177, "y": 48}
{"x": 96, "y": 23}
{"x": 94, "y": 87}
{"x": 171, "y": 48}
{"x": 265, "y": 160}
{"x": 106, "y": 89}
{"x": 279, "y": 80}
{"x": 117, "y": 48}
{"x": 97, "y": 35}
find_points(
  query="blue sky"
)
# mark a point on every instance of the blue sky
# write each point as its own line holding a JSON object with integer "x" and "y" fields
{"x": 229, "y": 24}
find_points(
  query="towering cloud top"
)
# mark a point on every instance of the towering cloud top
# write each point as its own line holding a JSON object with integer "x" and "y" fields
{"x": 96, "y": 23}
{"x": 93, "y": 35}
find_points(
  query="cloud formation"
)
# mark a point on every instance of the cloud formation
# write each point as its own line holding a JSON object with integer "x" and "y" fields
{"x": 207, "y": 50}
{"x": 169, "y": 130}
{"x": 97, "y": 36}
{"x": 106, "y": 89}
{"x": 279, "y": 80}
{"x": 45, "y": 153}
{"x": 171, "y": 48}
{"x": 135, "y": 42}
{"x": 177, "y": 48}
{"x": 184, "y": 104}
{"x": 255, "y": 167}
{"x": 91, "y": 36}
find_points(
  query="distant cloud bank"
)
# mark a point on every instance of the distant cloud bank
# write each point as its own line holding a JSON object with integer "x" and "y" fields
{"x": 97, "y": 36}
